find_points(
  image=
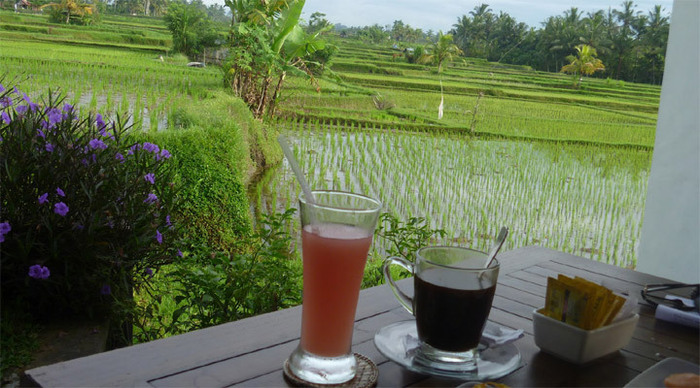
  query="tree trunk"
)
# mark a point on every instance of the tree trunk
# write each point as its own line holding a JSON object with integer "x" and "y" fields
{"x": 273, "y": 100}
{"x": 260, "y": 110}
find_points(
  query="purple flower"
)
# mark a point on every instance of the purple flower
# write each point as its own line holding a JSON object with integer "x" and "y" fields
{"x": 5, "y": 228}
{"x": 5, "y": 117}
{"x": 67, "y": 108}
{"x": 32, "y": 106}
{"x": 119, "y": 157}
{"x": 55, "y": 117}
{"x": 49, "y": 147}
{"x": 149, "y": 272}
{"x": 133, "y": 149}
{"x": 167, "y": 221}
{"x": 60, "y": 192}
{"x": 165, "y": 153}
{"x": 40, "y": 133}
{"x": 22, "y": 109}
{"x": 150, "y": 147}
{"x": 61, "y": 209}
{"x": 106, "y": 290}
{"x": 37, "y": 271}
{"x": 159, "y": 237}
{"x": 150, "y": 178}
{"x": 179, "y": 253}
{"x": 43, "y": 198}
{"x": 99, "y": 121}
{"x": 104, "y": 133}
{"x": 97, "y": 144}
{"x": 5, "y": 101}
{"x": 151, "y": 198}
{"x": 2, "y": 88}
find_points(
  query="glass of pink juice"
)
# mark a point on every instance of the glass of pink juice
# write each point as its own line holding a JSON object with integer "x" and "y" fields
{"x": 336, "y": 236}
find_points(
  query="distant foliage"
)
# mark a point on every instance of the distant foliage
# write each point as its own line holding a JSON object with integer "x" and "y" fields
{"x": 191, "y": 28}
{"x": 631, "y": 43}
{"x": 72, "y": 12}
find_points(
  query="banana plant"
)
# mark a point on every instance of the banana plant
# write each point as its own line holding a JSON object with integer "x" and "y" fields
{"x": 259, "y": 80}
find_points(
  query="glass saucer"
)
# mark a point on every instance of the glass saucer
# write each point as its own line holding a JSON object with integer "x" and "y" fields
{"x": 399, "y": 343}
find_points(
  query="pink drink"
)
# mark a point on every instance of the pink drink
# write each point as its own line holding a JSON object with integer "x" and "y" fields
{"x": 334, "y": 262}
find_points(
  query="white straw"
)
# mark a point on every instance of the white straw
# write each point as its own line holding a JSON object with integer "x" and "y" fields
{"x": 295, "y": 167}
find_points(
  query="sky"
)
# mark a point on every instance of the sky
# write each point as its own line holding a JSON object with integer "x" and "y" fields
{"x": 440, "y": 15}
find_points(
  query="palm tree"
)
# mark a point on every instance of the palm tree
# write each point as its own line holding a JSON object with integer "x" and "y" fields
{"x": 443, "y": 50}
{"x": 584, "y": 63}
{"x": 623, "y": 39}
{"x": 71, "y": 8}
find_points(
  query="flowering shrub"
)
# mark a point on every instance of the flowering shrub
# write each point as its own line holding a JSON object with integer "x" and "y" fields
{"x": 84, "y": 210}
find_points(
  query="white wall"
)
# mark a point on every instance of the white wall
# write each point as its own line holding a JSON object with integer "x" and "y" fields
{"x": 670, "y": 241}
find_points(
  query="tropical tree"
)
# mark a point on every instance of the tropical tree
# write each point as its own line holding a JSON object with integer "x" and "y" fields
{"x": 623, "y": 36}
{"x": 318, "y": 22}
{"x": 653, "y": 38}
{"x": 584, "y": 63}
{"x": 72, "y": 10}
{"x": 267, "y": 43}
{"x": 444, "y": 50}
{"x": 191, "y": 28}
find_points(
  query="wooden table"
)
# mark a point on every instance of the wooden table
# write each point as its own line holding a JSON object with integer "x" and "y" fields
{"x": 251, "y": 352}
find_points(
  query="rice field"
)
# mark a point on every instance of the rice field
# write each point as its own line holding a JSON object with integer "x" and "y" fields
{"x": 563, "y": 197}
{"x": 145, "y": 85}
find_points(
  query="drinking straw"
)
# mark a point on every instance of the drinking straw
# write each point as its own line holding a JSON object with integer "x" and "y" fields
{"x": 297, "y": 171}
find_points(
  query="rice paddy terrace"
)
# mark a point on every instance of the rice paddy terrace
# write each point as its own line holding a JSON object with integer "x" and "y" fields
{"x": 120, "y": 66}
{"x": 564, "y": 168}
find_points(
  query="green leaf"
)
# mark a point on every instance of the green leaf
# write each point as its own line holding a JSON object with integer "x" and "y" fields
{"x": 287, "y": 21}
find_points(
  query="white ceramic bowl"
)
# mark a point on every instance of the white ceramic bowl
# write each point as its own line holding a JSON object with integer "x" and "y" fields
{"x": 577, "y": 345}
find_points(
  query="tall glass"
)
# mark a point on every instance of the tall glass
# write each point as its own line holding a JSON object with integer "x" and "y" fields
{"x": 336, "y": 235}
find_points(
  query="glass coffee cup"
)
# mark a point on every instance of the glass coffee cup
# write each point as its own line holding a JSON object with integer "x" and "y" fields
{"x": 453, "y": 293}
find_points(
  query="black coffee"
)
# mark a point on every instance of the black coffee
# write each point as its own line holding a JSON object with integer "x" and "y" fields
{"x": 451, "y": 319}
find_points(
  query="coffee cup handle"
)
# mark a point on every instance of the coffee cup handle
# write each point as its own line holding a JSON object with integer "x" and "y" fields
{"x": 405, "y": 300}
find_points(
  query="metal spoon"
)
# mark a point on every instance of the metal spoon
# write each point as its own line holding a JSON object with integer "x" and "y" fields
{"x": 497, "y": 246}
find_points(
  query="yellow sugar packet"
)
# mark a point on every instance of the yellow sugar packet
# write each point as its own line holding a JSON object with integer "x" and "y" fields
{"x": 554, "y": 300}
{"x": 616, "y": 305}
{"x": 565, "y": 302}
{"x": 597, "y": 304}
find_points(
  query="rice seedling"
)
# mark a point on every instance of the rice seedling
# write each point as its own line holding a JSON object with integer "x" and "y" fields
{"x": 584, "y": 200}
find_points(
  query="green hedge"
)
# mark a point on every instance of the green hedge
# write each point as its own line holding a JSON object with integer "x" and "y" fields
{"x": 217, "y": 146}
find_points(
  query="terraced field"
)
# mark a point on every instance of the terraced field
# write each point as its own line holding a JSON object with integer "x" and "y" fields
{"x": 563, "y": 167}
